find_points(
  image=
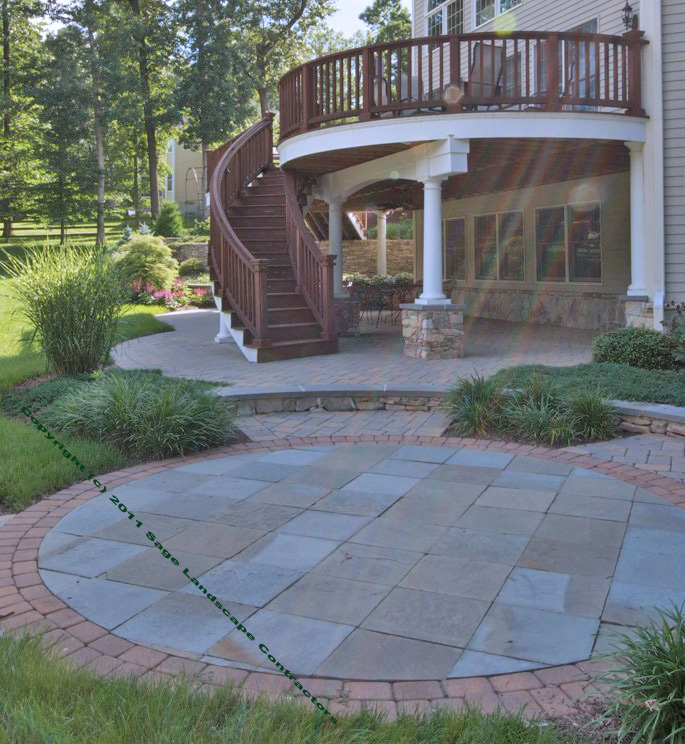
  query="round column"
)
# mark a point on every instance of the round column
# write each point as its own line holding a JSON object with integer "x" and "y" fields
{"x": 432, "y": 244}
{"x": 335, "y": 234}
{"x": 638, "y": 238}
{"x": 381, "y": 243}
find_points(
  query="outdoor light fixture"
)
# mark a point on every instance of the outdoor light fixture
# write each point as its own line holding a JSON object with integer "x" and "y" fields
{"x": 628, "y": 16}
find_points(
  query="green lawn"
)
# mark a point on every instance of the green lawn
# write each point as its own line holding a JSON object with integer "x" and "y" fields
{"x": 31, "y": 469}
{"x": 42, "y": 700}
{"x": 31, "y": 233}
{"x": 613, "y": 381}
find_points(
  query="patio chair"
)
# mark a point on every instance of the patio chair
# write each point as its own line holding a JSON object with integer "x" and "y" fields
{"x": 485, "y": 81}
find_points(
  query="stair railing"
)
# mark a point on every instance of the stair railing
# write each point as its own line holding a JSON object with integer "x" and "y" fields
{"x": 313, "y": 269}
{"x": 241, "y": 277}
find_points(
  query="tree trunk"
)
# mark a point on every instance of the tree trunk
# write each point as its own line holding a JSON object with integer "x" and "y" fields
{"x": 148, "y": 117}
{"x": 205, "y": 181}
{"x": 7, "y": 226}
{"x": 99, "y": 141}
{"x": 136, "y": 194}
{"x": 263, "y": 100}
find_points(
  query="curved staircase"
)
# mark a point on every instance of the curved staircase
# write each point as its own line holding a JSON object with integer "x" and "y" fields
{"x": 270, "y": 277}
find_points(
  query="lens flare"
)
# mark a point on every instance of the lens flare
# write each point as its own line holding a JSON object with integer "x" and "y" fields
{"x": 394, "y": 175}
{"x": 504, "y": 24}
{"x": 453, "y": 93}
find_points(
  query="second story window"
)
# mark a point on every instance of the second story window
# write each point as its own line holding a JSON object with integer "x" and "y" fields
{"x": 445, "y": 17}
{"x": 486, "y": 10}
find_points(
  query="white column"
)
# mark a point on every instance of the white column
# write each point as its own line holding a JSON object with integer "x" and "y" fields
{"x": 638, "y": 236}
{"x": 381, "y": 243}
{"x": 432, "y": 244}
{"x": 224, "y": 335}
{"x": 335, "y": 234}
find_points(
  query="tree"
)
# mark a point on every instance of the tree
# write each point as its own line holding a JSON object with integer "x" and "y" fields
{"x": 274, "y": 29}
{"x": 153, "y": 35}
{"x": 389, "y": 20}
{"x": 213, "y": 87}
{"x": 64, "y": 96}
{"x": 20, "y": 56}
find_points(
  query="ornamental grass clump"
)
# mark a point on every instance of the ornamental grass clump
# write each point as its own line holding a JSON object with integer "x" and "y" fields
{"x": 146, "y": 414}
{"x": 531, "y": 410}
{"x": 73, "y": 298}
{"x": 646, "y": 684}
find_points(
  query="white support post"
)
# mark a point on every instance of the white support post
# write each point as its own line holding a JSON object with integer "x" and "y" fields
{"x": 224, "y": 335}
{"x": 381, "y": 243}
{"x": 335, "y": 235}
{"x": 638, "y": 237}
{"x": 432, "y": 244}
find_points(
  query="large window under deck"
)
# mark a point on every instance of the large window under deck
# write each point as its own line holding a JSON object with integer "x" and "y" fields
{"x": 498, "y": 246}
{"x": 454, "y": 249}
{"x": 445, "y": 17}
{"x": 486, "y": 10}
{"x": 568, "y": 243}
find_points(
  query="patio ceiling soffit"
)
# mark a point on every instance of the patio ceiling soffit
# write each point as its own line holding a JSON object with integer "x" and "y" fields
{"x": 437, "y": 159}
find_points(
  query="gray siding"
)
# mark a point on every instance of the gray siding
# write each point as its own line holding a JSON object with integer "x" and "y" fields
{"x": 674, "y": 146}
{"x": 548, "y": 15}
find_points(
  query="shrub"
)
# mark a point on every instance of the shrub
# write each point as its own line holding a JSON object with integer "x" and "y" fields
{"x": 199, "y": 227}
{"x": 147, "y": 260}
{"x": 646, "y": 687}
{"x": 73, "y": 298}
{"x": 638, "y": 347}
{"x": 146, "y": 414}
{"x": 169, "y": 223}
{"x": 192, "y": 266}
{"x": 542, "y": 423}
{"x": 595, "y": 419}
{"x": 474, "y": 406}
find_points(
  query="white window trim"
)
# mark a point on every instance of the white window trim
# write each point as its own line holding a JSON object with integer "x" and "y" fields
{"x": 568, "y": 280}
{"x": 522, "y": 212}
{"x": 443, "y": 7}
{"x": 498, "y": 14}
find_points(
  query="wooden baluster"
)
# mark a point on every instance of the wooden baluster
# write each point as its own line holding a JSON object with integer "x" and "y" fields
{"x": 455, "y": 106}
{"x": 367, "y": 81}
{"x": 261, "y": 315}
{"x": 306, "y": 97}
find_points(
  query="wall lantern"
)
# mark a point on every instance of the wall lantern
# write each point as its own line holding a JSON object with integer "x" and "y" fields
{"x": 629, "y": 17}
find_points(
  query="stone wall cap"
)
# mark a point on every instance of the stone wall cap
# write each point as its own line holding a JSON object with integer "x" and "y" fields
{"x": 631, "y": 298}
{"x": 414, "y": 306}
{"x": 663, "y": 411}
{"x": 333, "y": 391}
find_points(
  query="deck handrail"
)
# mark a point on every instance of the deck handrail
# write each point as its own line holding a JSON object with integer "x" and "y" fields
{"x": 313, "y": 268}
{"x": 241, "y": 277}
{"x": 547, "y": 71}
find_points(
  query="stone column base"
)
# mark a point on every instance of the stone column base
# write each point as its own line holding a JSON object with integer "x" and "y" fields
{"x": 639, "y": 311}
{"x": 433, "y": 331}
{"x": 347, "y": 312}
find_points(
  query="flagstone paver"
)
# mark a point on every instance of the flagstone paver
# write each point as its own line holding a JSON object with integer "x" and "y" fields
{"x": 516, "y": 628}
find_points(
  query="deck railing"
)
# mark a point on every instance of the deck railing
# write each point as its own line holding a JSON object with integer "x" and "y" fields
{"x": 241, "y": 277}
{"x": 313, "y": 269}
{"x": 556, "y": 71}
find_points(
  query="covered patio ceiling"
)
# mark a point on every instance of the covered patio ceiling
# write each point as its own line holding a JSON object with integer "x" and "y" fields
{"x": 494, "y": 165}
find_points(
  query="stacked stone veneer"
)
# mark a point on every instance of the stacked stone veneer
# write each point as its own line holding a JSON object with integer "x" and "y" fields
{"x": 433, "y": 332}
{"x": 359, "y": 401}
{"x": 347, "y": 315}
{"x": 359, "y": 256}
{"x": 182, "y": 251}
{"x": 588, "y": 310}
{"x": 651, "y": 418}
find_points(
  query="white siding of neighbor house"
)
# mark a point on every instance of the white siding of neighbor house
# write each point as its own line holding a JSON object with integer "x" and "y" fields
{"x": 547, "y": 15}
{"x": 673, "y": 20}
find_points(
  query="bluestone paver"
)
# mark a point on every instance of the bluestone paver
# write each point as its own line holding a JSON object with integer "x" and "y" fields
{"x": 359, "y": 504}
{"x": 365, "y": 654}
{"x": 601, "y": 488}
{"x": 220, "y": 540}
{"x": 247, "y": 583}
{"x": 664, "y": 517}
{"x": 90, "y": 518}
{"x": 151, "y": 569}
{"x": 508, "y": 521}
{"x": 515, "y": 498}
{"x": 427, "y": 616}
{"x": 90, "y": 557}
{"x": 655, "y": 569}
{"x": 535, "y": 635}
{"x": 369, "y": 563}
{"x": 292, "y": 457}
{"x": 329, "y": 597}
{"x": 255, "y": 515}
{"x": 298, "y": 552}
{"x": 526, "y": 464}
{"x": 476, "y": 664}
{"x": 423, "y": 454}
{"x": 457, "y": 576}
{"x": 529, "y": 481}
{"x": 464, "y": 474}
{"x": 109, "y": 603}
{"x": 629, "y": 603}
{"x": 492, "y": 547}
{"x": 165, "y": 527}
{"x": 239, "y": 484}
{"x": 581, "y": 530}
{"x": 283, "y": 635}
{"x": 387, "y": 532}
{"x": 296, "y": 495}
{"x": 577, "y": 505}
{"x": 325, "y": 524}
{"x": 404, "y": 467}
{"x": 392, "y": 485}
{"x": 595, "y": 560}
{"x": 478, "y": 459}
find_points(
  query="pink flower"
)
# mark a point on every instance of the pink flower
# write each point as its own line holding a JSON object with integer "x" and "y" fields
{"x": 149, "y": 288}
{"x": 137, "y": 285}
{"x": 162, "y": 294}
{"x": 200, "y": 292}
{"x": 177, "y": 294}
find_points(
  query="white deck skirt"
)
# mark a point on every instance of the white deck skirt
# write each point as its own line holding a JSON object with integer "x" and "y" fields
{"x": 476, "y": 125}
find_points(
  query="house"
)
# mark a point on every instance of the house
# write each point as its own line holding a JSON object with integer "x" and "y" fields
{"x": 185, "y": 180}
{"x": 540, "y": 144}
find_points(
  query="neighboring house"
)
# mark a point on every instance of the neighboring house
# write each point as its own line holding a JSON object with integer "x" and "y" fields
{"x": 540, "y": 143}
{"x": 185, "y": 182}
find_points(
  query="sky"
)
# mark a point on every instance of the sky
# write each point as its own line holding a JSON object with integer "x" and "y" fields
{"x": 346, "y": 19}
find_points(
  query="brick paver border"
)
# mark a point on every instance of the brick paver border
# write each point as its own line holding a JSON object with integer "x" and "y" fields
{"x": 550, "y": 692}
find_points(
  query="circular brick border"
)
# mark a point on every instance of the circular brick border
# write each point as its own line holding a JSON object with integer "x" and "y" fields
{"x": 550, "y": 692}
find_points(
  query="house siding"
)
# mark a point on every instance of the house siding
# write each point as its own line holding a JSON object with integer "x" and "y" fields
{"x": 546, "y": 15}
{"x": 673, "y": 20}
